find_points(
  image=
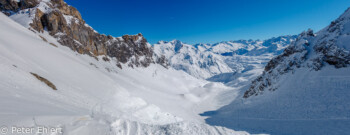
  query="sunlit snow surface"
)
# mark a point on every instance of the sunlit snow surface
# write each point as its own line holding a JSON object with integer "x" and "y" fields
{"x": 305, "y": 101}
{"x": 211, "y": 61}
{"x": 96, "y": 97}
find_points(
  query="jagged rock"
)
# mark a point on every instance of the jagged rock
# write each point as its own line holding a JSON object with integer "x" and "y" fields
{"x": 163, "y": 61}
{"x": 24, "y": 4}
{"x": 292, "y": 57}
{"x": 37, "y": 24}
{"x": 329, "y": 46}
{"x": 7, "y": 6}
{"x": 132, "y": 46}
{"x": 10, "y": 6}
{"x": 66, "y": 9}
{"x": 54, "y": 22}
{"x": 65, "y": 23}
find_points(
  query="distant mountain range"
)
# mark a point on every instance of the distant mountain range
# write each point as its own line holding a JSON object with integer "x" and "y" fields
{"x": 207, "y": 60}
{"x": 54, "y": 64}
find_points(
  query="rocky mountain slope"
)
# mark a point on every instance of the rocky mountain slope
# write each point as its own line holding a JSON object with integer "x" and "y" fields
{"x": 208, "y": 60}
{"x": 65, "y": 23}
{"x": 329, "y": 46}
{"x": 306, "y": 88}
{"x": 53, "y": 86}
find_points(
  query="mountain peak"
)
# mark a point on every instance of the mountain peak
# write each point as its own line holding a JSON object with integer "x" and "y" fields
{"x": 329, "y": 47}
{"x": 178, "y": 45}
{"x": 175, "y": 41}
{"x": 64, "y": 22}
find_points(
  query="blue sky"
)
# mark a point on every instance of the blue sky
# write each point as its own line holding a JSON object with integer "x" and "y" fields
{"x": 208, "y": 21}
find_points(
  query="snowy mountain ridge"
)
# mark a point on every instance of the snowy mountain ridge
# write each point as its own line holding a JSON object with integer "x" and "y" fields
{"x": 123, "y": 85}
{"x": 191, "y": 60}
{"x": 66, "y": 24}
{"x": 326, "y": 47}
{"x": 207, "y": 60}
{"x": 93, "y": 96}
{"x": 306, "y": 88}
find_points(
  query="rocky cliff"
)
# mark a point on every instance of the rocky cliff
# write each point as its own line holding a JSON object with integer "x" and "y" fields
{"x": 65, "y": 23}
{"x": 313, "y": 51}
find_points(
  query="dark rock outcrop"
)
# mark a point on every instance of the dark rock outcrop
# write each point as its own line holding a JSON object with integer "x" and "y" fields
{"x": 291, "y": 58}
{"x": 44, "y": 80}
{"x": 65, "y": 23}
{"x": 11, "y": 6}
{"x": 312, "y": 51}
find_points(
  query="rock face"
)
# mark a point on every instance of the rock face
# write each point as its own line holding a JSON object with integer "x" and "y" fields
{"x": 12, "y": 6}
{"x": 329, "y": 46}
{"x": 65, "y": 23}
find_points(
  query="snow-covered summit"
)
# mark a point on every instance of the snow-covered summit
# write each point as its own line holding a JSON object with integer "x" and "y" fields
{"x": 196, "y": 62}
{"x": 208, "y": 60}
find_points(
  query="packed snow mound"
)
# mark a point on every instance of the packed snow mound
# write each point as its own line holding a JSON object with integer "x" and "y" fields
{"x": 305, "y": 90}
{"x": 94, "y": 96}
{"x": 208, "y": 60}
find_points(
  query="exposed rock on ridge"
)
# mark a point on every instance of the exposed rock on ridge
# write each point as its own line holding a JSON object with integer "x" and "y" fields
{"x": 65, "y": 23}
{"x": 314, "y": 51}
{"x": 11, "y": 6}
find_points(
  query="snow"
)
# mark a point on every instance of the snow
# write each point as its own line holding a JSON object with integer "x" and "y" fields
{"x": 222, "y": 47}
{"x": 211, "y": 60}
{"x": 96, "y": 97}
{"x": 248, "y": 68}
{"x": 305, "y": 90}
{"x": 201, "y": 64}
{"x": 320, "y": 107}
{"x": 24, "y": 17}
{"x": 69, "y": 19}
{"x": 87, "y": 25}
{"x": 43, "y": 6}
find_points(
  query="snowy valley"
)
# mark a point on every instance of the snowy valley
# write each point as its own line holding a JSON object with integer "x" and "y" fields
{"x": 208, "y": 60}
{"x": 305, "y": 90}
{"x": 57, "y": 71}
{"x": 94, "y": 96}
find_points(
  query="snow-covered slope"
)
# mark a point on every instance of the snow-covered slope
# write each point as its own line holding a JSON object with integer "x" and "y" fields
{"x": 65, "y": 23}
{"x": 305, "y": 90}
{"x": 94, "y": 96}
{"x": 191, "y": 59}
{"x": 273, "y": 45}
{"x": 208, "y": 60}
